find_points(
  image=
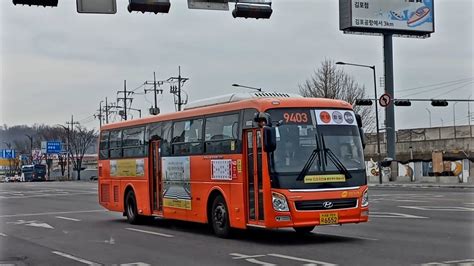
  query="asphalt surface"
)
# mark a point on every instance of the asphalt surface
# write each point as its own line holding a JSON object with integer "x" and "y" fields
{"x": 61, "y": 223}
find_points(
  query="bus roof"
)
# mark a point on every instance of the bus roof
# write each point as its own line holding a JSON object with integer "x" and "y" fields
{"x": 237, "y": 101}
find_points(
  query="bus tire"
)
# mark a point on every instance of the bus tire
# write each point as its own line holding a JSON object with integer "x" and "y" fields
{"x": 220, "y": 217}
{"x": 304, "y": 230}
{"x": 131, "y": 208}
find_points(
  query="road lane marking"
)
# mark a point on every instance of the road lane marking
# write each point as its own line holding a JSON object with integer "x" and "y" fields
{"x": 407, "y": 200}
{"x": 349, "y": 236}
{"x": 47, "y": 213}
{"x": 394, "y": 215}
{"x": 149, "y": 232}
{"x": 251, "y": 259}
{"x": 75, "y": 258}
{"x": 255, "y": 261}
{"x": 2, "y": 234}
{"x": 466, "y": 262}
{"x": 459, "y": 261}
{"x": 33, "y": 223}
{"x": 239, "y": 256}
{"x": 42, "y": 225}
{"x": 67, "y": 218}
{"x": 439, "y": 208}
{"x": 47, "y": 195}
{"x": 313, "y": 262}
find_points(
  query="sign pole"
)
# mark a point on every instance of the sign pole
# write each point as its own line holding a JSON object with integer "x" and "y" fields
{"x": 389, "y": 111}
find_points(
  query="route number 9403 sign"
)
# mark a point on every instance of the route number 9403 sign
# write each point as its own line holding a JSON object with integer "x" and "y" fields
{"x": 295, "y": 117}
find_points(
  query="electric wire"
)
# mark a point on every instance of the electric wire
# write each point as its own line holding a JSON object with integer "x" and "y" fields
{"x": 438, "y": 88}
{"x": 436, "y": 84}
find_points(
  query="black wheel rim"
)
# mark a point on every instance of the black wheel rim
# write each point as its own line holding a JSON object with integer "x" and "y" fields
{"x": 131, "y": 208}
{"x": 220, "y": 216}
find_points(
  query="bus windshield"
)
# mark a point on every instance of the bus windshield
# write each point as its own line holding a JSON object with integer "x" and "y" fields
{"x": 301, "y": 132}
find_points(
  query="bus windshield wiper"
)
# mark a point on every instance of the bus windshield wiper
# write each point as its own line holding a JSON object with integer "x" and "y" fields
{"x": 334, "y": 159}
{"x": 316, "y": 153}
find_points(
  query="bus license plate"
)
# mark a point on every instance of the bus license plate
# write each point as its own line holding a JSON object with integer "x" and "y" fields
{"x": 328, "y": 218}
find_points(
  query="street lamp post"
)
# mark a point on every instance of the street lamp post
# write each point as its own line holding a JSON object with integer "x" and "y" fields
{"x": 247, "y": 87}
{"x": 429, "y": 113}
{"x": 376, "y": 112}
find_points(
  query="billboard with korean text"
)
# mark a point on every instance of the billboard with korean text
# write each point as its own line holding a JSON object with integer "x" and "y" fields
{"x": 404, "y": 17}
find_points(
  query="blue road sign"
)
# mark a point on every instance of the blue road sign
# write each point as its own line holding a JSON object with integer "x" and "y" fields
{"x": 53, "y": 147}
{"x": 8, "y": 154}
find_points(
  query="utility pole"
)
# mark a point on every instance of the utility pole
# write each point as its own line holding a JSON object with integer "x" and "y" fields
{"x": 106, "y": 109}
{"x": 125, "y": 98}
{"x": 454, "y": 118}
{"x": 154, "y": 111}
{"x": 469, "y": 116}
{"x": 70, "y": 132}
{"x": 177, "y": 90}
{"x": 100, "y": 114}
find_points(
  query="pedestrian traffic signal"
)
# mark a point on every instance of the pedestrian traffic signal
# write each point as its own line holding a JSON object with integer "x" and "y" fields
{"x": 155, "y": 6}
{"x": 402, "y": 102}
{"x": 252, "y": 10}
{"x": 440, "y": 103}
{"x": 44, "y": 3}
{"x": 363, "y": 102}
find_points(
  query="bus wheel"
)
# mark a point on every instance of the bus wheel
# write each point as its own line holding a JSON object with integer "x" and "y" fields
{"x": 304, "y": 229}
{"x": 220, "y": 218}
{"x": 131, "y": 208}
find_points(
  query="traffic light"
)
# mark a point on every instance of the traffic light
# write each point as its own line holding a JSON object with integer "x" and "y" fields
{"x": 155, "y": 6}
{"x": 252, "y": 10}
{"x": 439, "y": 103}
{"x": 45, "y": 3}
{"x": 402, "y": 102}
{"x": 363, "y": 102}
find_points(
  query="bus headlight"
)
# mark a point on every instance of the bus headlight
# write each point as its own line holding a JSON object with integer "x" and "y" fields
{"x": 279, "y": 202}
{"x": 365, "y": 199}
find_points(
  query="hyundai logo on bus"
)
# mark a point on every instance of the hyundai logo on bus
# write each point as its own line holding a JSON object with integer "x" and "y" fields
{"x": 327, "y": 204}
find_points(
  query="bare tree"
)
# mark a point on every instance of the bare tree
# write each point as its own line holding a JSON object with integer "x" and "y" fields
{"x": 80, "y": 140}
{"x": 331, "y": 82}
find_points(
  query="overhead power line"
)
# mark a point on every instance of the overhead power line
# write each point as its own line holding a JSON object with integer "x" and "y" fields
{"x": 437, "y": 84}
{"x": 444, "y": 87}
{"x": 457, "y": 88}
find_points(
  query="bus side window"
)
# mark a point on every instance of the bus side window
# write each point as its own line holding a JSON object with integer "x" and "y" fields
{"x": 187, "y": 137}
{"x": 104, "y": 145}
{"x": 166, "y": 139}
{"x": 248, "y": 118}
{"x": 115, "y": 144}
{"x": 222, "y": 134}
{"x": 133, "y": 142}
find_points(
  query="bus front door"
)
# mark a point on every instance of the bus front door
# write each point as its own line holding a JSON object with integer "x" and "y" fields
{"x": 254, "y": 181}
{"x": 155, "y": 178}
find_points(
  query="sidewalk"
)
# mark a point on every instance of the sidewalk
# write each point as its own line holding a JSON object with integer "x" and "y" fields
{"x": 422, "y": 185}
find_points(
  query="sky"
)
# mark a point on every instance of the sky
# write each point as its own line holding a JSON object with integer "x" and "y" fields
{"x": 56, "y": 63}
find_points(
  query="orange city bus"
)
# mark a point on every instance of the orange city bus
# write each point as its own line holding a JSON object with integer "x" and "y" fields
{"x": 215, "y": 163}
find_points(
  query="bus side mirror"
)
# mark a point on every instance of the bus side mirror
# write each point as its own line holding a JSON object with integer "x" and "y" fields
{"x": 362, "y": 137}
{"x": 386, "y": 162}
{"x": 361, "y": 130}
{"x": 269, "y": 139}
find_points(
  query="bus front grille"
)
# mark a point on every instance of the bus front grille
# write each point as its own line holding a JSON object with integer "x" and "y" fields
{"x": 330, "y": 204}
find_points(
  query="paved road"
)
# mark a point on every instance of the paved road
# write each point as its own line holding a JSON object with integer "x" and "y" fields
{"x": 62, "y": 224}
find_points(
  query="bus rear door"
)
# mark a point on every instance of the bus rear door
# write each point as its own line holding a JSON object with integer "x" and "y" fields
{"x": 156, "y": 185}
